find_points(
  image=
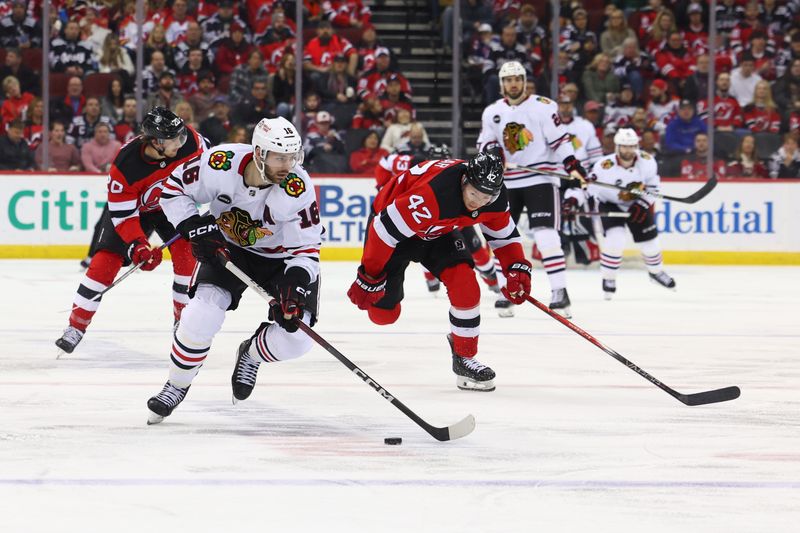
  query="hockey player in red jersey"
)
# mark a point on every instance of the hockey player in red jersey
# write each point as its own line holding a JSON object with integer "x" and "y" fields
{"x": 134, "y": 187}
{"x": 415, "y": 218}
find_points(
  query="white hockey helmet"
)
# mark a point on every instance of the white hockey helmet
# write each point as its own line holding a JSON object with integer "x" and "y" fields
{"x": 626, "y": 137}
{"x": 512, "y": 68}
{"x": 278, "y": 136}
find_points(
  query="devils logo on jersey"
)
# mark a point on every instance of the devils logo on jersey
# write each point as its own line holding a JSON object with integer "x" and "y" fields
{"x": 516, "y": 137}
{"x": 293, "y": 185}
{"x": 220, "y": 160}
{"x": 241, "y": 228}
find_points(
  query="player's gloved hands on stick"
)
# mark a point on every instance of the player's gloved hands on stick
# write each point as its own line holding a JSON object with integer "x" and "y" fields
{"x": 140, "y": 252}
{"x": 518, "y": 282}
{"x": 366, "y": 290}
{"x": 204, "y": 236}
{"x": 569, "y": 208}
{"x": 576, "y": 170}
{"x": 632, "y": 191}
{"x": 292, "y": 293}
{"x": 638, "y": 210}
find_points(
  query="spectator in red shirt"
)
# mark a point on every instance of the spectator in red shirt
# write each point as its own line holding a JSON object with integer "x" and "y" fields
{"x": 374, "y": 80}
{"x": 745, "y": 162}
{"x": 233, "y": 51}
{"x": 673, "y": 60}
{"x": 696, "y": 35}
{"x": 16, "y": 102}
{"x": 763, "y": 58}
{"x": 319, "y": 52}
{"x": 127, "y": 128}
{"x": 761, "y": 116}
{"x": 394, "y": 98}
{"x": 369, "y": 115}
{"x": 189, "y": 75}
{"x": 694, "y": 166}
{"x": 34, "y": 122}
{"x": 663, "y": 26}
{"x": 347, "y": 13}
{"x": 365, "y": 159}
{"x": 727, "y": 113}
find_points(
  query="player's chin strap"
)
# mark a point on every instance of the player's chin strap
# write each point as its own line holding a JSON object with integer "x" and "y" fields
{"x": 699, "y": 398}
{"x": 455, "y": 431}
{"x": 696, "y": 196}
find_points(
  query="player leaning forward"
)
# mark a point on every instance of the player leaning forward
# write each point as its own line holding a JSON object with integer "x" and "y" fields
{"x": 264, "y": 218}
{"x": 637, "y": 171}
{"x": 530, "y": 133}
{"x": 415, "y": 218}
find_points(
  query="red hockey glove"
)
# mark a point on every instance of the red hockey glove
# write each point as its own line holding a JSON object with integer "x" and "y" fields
{"x": 518, "y": 282}
{"x": 576, "y": 170}
{"x": 366, "y": 290}
{"x": 638, "y": 211}
{"x": 204, "y": 236}
{"x": 139, "y": 251}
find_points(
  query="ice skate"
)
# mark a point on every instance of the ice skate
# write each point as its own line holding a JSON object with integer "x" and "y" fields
{"x": 69, "y": 340}
{"x": 504, "y": 308}
{"x": 609, "y": 288}
{"x": 244, "y": 375}
{"x": 663, "y": 279}
{"x": 162, "y": 404}
{"x": 433, "y": 283}
{"x": 559, "y": 302}
{"x": 470, "y": 373}
{"x": 85, "y": 262}
{"x": 490, "y": 279}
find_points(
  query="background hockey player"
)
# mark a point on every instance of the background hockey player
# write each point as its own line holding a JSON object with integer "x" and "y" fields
{"x": 414, "y": 218}
{"x": 133, "y": 214}
{"x": 264, "y": 217}
{"x": 530, "y": 133}
{"x": 637, "y": 171}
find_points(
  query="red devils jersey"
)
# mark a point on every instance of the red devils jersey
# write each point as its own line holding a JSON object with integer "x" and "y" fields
{"x": 425, "y": 202}
{"x": 134, "y": 182}
{"x": 761, "y": 119}
{"x": 391, "y": 165}
{"x": 726, "y": 111}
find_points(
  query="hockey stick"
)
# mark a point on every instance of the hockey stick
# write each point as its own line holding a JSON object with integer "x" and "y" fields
{"x": 701, "y": 398}
{"x": 607, "y": 214}
{"x": 695, "y": 197}
{"x": 455, "y": 431}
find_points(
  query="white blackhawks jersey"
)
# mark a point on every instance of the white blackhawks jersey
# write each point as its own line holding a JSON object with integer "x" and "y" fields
{"x": 608, "y": 170}
{"x": 530, "y": 134}
{"x": 584, "y": 141}
{"x": 277, "y": 221}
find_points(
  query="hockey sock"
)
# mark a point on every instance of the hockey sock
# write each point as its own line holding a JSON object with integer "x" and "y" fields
{"x": 465, "y": 313}
{"x": 553, "y": 261}
{"x": 273, "y": 343}
{"x": 183, "y": 263}
{"x": 483, "y": 261}
{"x": 98, "y": 277}
{"x": 200, "y": 322}
{"x": 611, "y": 253}
{"x": 651, "y": 253}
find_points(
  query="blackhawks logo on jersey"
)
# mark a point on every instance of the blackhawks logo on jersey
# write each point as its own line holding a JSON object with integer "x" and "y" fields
{"x": 544, "y": 100}
{"x": 220, "y": 160}
{"x": 293, "y": 185}
{"x": 607, "y": 164}
{"x": 241, "y": 228}
{"x": 516, "y": 137}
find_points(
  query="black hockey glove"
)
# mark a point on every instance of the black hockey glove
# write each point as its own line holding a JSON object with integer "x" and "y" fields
{"x": 576, "y": 170}
{"x": 638, "y": 210}
{"x": 293, "y": 289}
{"x": 569, "y": 209}
{"x": 204, "y": 236}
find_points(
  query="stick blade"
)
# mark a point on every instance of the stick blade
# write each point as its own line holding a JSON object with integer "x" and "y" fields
{"x": 703, "y": 191}
{"x": 713, "y": 396}
{"x": 456, "y": 431}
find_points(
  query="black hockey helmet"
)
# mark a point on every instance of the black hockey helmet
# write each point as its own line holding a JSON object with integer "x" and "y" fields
{"x": 485, "y": 173}
{"x": 162, "y": 124}
{"x": 441, "y": 151}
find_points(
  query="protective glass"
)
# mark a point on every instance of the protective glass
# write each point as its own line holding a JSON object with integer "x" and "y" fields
{"x": 278, "y": 160}
{"x": 175, "y": 144}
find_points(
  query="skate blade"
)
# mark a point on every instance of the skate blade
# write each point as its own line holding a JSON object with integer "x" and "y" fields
{"x": 153, "y": 418}
{"x": 59, "y": 353}
{"x": 564, "y": 311}
{"x": 673, "y": 289}
{"x": 477, "y": 386}
{"x": 608, "y": 295}
{"x": 505, "y": 313}
{"x": 234, "y": 401}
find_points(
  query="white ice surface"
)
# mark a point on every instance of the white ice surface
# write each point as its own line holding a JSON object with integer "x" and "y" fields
{"x": 570, "y": 441}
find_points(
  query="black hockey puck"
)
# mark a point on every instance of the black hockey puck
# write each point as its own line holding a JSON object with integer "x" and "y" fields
{"x": 393, "y": 440}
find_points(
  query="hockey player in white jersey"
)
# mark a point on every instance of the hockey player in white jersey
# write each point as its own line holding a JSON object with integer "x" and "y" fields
{"x": 530, "y": 133}
{"x": 584, "y": 137}
{"x": 264, "y": 217}
{"x": 637, "y": 171}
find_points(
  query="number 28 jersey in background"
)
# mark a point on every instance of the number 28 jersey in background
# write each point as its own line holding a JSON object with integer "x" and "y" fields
{"x": 279, "y": 221}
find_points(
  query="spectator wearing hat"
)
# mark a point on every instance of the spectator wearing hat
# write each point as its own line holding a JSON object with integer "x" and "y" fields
{"x": 727, "y": 112}
{"x": 763, "y": 55}
{"x": 696, "y": 35}
{"x": 394, "y": 99}
{"x": 151, "y": 76}
{"x": 634, "y": 65}
{"x": 744, "y": 79}
{"x": 246, "y": 74}
{"x": 98, "y": 153}
{"x": 232, "y": 51}
{"x": 681, "y": 131}
{"x": 347, "y": 13}
{"x": 695, "y": 165}
{"x": 216, "y": 127}
{"x": 217, "y": 27}
{"x": 127, "y": 127}
{"x": 18, "y": 30}
{"x": 374, "y": 81}
{"x": 202, "y": 101}
{"x": 28, "y": 79}
{"x": 337, "y": 88}
{"x": 661, "y": 107}
{"x": 14, "y": 151}
{"x": 365, "y": 159}
{"x": 621, "y": 109}
{"x": 324, "y": 147}
{"x": 63, "y": 157}
{"x": 785, "y": 163}
{"x": 599, "y": 82}
{"x": 192, "y": 39}
{"x": 366, "y": 49}
{"x": 479, "y": 52}
{"x": 255, "y": 106}
{"x": 318, "y": 54}
{"x": 167, "y": 95}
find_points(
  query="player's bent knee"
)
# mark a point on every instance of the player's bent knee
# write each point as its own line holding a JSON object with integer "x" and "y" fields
{"x": 462, "y": 286}
{"x": 284, "y": 345}
{"x": 384, "y": 317}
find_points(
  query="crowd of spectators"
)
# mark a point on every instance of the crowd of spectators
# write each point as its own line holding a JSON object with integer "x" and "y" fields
{"x": 220, "y": 65}
{"x": 645, "y": 64}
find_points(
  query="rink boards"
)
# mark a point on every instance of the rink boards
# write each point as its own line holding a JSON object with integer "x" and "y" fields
{"x": 740, "y": 222}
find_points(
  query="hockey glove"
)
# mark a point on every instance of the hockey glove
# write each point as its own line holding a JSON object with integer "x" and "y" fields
{"x": 204, "y": 236}
{"x": 139, "y": 251}
{"x": 638, "y": 211}
{"x": 366, "y": 290}
{"x": 576, "y": 170}
{"x": 569, "y": 208}
{"x": 292, "y": 293}
{"x": 632, "y": 191}
{"x": 518, "y": 282}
